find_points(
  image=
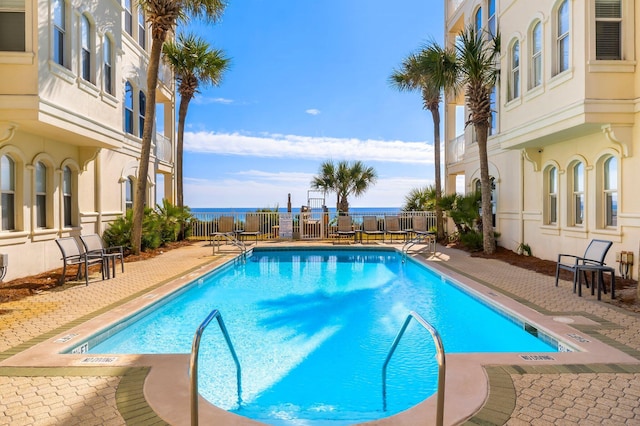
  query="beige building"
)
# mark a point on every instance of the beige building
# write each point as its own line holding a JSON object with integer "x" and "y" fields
{"x": 72, "y": 97}
{"x": 564, "y": 151}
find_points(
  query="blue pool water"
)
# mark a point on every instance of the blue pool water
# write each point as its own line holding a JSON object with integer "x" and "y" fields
{"x": 312, "y": 330}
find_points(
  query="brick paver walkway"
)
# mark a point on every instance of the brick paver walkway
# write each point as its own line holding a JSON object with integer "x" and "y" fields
{"x": 519, "y": 395}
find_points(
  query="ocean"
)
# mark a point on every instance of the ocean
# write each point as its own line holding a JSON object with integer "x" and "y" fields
{"x": 199, "y": 212}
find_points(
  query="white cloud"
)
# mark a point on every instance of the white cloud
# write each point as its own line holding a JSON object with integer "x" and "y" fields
{"x": 206, "y": 101}
{"x": 313, "y": 111}
{"x": 308, "y": 147}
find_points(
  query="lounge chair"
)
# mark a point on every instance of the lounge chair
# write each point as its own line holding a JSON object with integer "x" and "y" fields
{"x": 422, "y": 234}
{"x": 224, "y": 232}
{"x": 370, "y": 226}
{"x": 592, "y": 260}
{"x": 72, "y": 254}
{"x": 94, "y": 247}
{"x": 392, "y": 227}
{"x": 345, "y": 227}
{"x": 252, "y": 227}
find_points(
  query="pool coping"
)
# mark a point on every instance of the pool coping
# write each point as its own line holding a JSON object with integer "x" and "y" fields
{"x": 156, "y": 373}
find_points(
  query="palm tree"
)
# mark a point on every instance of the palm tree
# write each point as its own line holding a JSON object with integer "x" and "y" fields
{"x": 421, "y": 199}
{"x": 431, "y": 71}
{"x": 478, "y": 54}
{"x": 345, "y": 179}
{"x": 163, "y": 17}
{"x": 193, "y": 63}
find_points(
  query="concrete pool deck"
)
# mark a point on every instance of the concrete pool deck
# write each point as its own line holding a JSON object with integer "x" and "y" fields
{"x": 599, "y": 386}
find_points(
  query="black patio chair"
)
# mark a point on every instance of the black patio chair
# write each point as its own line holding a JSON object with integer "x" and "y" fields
{"x": 72, "y": 254}
{"x": 592, "y": 259}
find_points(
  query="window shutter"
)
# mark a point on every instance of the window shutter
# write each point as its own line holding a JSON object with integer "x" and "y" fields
{"x": 608, "y": 30}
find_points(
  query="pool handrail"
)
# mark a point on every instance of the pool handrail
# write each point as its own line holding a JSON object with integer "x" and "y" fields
{"x": 193, "y": 363}
{"x": 439, "y": 355}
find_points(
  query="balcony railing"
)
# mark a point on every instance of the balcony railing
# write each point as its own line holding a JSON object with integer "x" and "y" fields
{"x": 165, "y": 76}
{"x": 456, "y": 149}
{"x": 164, "y": 151}
{"x": 322, "y": 226}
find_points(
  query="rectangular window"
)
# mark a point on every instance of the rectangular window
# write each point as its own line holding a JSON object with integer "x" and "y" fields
{"x": 108, "y": 81}
{"x": 128, "y": 17}
{"x": 553, "y": 196}
{"x": 12, "y": 25}
{"x": 491, "y": 22}
{"x": 608, "y": 29}
{"x": 142, "y": 33}
{"x": 41, "y": 195}
{"x": 128, "y": 108}
{"x": 562, "y": 40}
{"x": 66, "y": 195}
{"x": 8, "y": 189}
{"x": 536, "y": 56}
{"x": 85, "y": 28}
{"x": 578, "y": 194}
{"x": 128, "y": 200}
{"x": 142, "y": 105}
{"x": 59, "y": 32}
{"x": 514, "y": 91}
{"x": 611, "y": 192}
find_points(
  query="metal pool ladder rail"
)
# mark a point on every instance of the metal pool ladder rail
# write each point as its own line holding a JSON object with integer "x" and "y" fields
{"x": 193, "y": 364}
{"x": 439, "y": 355}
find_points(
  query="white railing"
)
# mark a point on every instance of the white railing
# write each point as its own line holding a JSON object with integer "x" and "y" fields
{"x": 165, "y": 75}
{"x": 164, "y": 150}
{"x": 456, "y": 149}
{"x": 325, "y": 226}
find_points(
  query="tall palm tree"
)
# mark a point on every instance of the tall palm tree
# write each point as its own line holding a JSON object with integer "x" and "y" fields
{"x": 431, "y": 71}
{"x": 478, "y": 53}
{"x": 345, "y": 179}
{"x": 163, "y": 17}
{"x": 194, "y": 63}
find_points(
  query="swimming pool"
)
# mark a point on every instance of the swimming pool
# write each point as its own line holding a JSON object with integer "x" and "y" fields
{"x": 312, "y": 329}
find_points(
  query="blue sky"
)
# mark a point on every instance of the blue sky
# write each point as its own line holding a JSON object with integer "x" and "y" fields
{"x": 309, "y": 82}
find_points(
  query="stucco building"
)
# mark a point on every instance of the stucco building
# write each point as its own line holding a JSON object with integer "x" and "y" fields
{"x": 563, "y": 149}
{"x": 72, "y": 101}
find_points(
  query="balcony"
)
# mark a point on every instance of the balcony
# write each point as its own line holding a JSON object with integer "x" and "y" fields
{"x": 455, "y": 149}
{"x": 164, "y": 150}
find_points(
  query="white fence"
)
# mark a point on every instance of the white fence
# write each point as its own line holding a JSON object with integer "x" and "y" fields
{"x": 320, "y": 226}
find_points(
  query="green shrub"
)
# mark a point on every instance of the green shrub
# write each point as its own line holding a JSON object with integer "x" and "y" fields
{"x": 472, "y": 240}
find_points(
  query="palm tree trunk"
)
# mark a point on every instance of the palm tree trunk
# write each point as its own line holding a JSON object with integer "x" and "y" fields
{"x": 182, "y": 117}
{"x": 488, "y": 239}
{"x": 145, "y": 150}
{"x": 435, "y": 113}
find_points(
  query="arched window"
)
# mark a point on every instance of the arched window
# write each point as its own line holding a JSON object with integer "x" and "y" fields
{"x": 478, "y": 19}
{"x": 562, "y": 37}
{"x": 478, "y": 187}
{"x": 536, "y": 55}
{"x": 491, "y": 21}
{"x": 128, "y": 194}
{"x": 551, "y": 209}
{"x": 86, "y": 51}
{"x": 610, "y": 192}
{"x": 128, "y": 108}
{"x": 577, "y": 195}
{"x": 8, "y": 192}
{"x": 59, "y": 32}
{"x": 41, "y": 195}
{"x": 142, "y": 33}
{"x": 514, "y": 72}
{"x": 108, "y": 65}
{"x": 128, "y": 17}
{"x": 67, "y": 196}
{"x": 142, "y": 105}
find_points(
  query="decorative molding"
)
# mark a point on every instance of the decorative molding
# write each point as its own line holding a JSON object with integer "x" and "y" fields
{"x": 534, "y": 156}
{"x": 620, "y": 135}
{"x": 88, "y": 154}
{"x": 7, "y": 131}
